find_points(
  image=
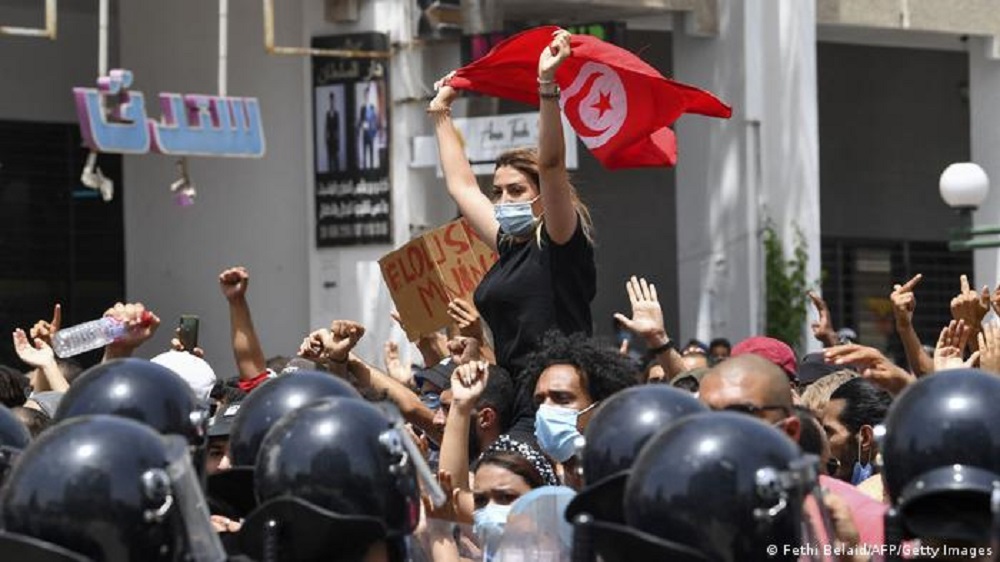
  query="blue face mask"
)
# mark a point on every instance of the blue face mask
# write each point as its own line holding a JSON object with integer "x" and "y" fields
{"x": 432, "y": 400}
{"x": 862, "y": 472}
{"x": 555, "y": 430}
{"x": 488, "y": 525}
{"x": 516, "y": 219}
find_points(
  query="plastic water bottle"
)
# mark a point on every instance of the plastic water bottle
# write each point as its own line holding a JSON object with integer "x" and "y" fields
{"x": 91, "y": 335}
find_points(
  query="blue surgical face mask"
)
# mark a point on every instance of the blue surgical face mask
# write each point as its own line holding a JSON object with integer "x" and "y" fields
{"x": 862, "y": 472}
{"x": 488, "y": 525}
{"x": 516, "y": 219}
{"x": 555, "y": 430}
{"x": 432, "y": 400}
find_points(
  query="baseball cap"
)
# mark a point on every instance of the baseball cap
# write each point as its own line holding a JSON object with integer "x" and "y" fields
{"x": 814, "y": 367}
{"x": 48, "y": 401}
{"x": 439, "y": 375}
{"x": 775, "y": 351}
{"x": 194, "y": 370}
{"x": 222, "y": 423}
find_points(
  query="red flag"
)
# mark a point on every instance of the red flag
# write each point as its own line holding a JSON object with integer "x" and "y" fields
{"x": 619, "y": 106}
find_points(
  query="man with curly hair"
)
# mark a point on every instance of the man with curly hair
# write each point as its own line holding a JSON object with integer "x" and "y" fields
{"x": 569, "y": 376}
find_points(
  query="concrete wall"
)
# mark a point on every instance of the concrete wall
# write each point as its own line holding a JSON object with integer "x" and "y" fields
{"x": 37, "y": 75}
{"x": 735, "y": 174}
{"x": 249, "y": 212}
{"x": 984, "y": 92}
{"x": 887, "y": 133}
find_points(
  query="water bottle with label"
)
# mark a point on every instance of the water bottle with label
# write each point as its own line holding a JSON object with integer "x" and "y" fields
{"x": 91, "y": 335}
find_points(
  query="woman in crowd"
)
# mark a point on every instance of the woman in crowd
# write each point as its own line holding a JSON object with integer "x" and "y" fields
{"x": 545, "y": 277}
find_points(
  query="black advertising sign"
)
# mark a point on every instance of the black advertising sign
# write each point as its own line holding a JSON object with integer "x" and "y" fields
{"x": 351, "y": 138}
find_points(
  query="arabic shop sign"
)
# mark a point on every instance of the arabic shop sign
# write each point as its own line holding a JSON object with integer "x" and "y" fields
{"x": 113, "y": 120}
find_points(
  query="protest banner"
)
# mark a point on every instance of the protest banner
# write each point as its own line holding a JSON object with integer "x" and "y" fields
{"x": 428, "y": 272}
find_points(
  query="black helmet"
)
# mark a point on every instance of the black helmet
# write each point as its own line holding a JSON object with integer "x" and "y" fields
{"x": 106, "y": 488}
{"x": 140, "y": 390}
{"x": 718, "y": 487}
{"x": 334, "y": 474}
{"x": 232, "y": 489}
{"x": 263, "y": 407}
{"x": 13, "y": 438}
{"x": 613, "y": 439}
{"x": 941, "y": 457}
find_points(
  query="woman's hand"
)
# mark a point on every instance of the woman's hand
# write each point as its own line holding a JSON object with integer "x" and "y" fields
{"x": 445, "y": 95}
{"x": 553, "y": 55}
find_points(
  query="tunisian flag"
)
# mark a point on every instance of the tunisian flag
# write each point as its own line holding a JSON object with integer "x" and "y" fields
{"x": 619, "y": 106}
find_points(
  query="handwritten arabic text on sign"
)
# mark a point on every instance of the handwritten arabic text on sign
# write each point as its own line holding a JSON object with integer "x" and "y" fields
{"x": 192, "y": 124}
{"x": 425, "y": 274}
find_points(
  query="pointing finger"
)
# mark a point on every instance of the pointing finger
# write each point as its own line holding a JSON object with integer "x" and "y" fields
{"x": 964, "y": 279}
{"x": 909, "y": 285}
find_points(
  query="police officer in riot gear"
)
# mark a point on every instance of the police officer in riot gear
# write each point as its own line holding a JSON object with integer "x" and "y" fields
{"x": 140, "y": 390}
{"x": 109, "y": 489}
{"x": 259, "y": 411}
{"x": 13, "y": 439}
{"x": 335, "y": 482}
{"x": 613, "y": 439}
{"x": 718, "y": 487}
{"x": 941, "y": 468}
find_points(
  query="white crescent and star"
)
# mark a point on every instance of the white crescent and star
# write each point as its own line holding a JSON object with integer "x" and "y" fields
{"x": 595, "y": 104}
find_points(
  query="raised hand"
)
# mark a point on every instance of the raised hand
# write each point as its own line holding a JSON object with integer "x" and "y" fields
{"x": 449, "y": 510}
{"x": 554, "y": 54}
{"x": 822, "y": 329}
{"x": 904, "y": 302}
{"x": 647, "y": 316}
{"x": 466, "y": 318}
{"x": 176, "y": 345}
{"x": 313, "y": 345}
{"x": 344, "y": 335}
{"x": 234, "y": 282}
{"x": 995, "y": 300}
{"x": 464, "y": 350}
{"x": 467, "y": 384}
{"x": 43, "y": 330}
{"x": 141, "y": 323}
{"x": 38, "y": 355}
{"x": 394, "y": 365}
{"x": 445, "y": 95}
{"x": 970, "y": 306}
{"x": 874, "y": 366}
{"x": 950, "y": 346}
{"x": 989, "y": 347}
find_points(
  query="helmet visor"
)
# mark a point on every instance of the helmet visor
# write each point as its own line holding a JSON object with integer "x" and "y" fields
{"x": 537, "y": 528}
{"x": 202, "y": 541}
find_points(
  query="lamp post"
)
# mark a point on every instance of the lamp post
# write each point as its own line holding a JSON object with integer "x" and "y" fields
{"x": 964, "y": 186}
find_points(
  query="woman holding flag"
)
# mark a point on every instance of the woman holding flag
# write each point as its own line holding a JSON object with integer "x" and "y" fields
{"x": 545, "y": 277}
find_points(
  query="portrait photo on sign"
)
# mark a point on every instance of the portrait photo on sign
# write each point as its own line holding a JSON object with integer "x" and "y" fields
{"x": 372, "y": 135}
{"x": 331, "y": 125}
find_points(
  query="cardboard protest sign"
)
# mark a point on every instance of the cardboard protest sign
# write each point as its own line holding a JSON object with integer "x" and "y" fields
{"x": 428, "y": 272}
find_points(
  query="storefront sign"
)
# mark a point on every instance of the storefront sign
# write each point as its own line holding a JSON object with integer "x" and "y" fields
{"x": 113, "y": 120}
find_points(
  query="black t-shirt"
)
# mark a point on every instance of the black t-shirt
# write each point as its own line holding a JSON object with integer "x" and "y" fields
{"x": 531, "y": 290}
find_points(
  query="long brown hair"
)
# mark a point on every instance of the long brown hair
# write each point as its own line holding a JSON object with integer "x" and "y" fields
{"x": 525, "y": 160}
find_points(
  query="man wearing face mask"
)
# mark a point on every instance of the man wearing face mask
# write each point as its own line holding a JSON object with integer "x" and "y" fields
{"x": 570, "y": 376}
{"x": 849, "y": 419}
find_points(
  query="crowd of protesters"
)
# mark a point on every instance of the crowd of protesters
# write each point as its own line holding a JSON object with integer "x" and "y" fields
{"x": 516, "y": 436}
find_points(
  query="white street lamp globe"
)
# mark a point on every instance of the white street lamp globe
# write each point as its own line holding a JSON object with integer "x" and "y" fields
{"x": 964, "y": 185}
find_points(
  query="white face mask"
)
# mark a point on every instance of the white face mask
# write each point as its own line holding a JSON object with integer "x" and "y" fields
{"x": 488, "y": 526}
{"x": 516, "y": 219}
{"x": 555, "y": 430}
